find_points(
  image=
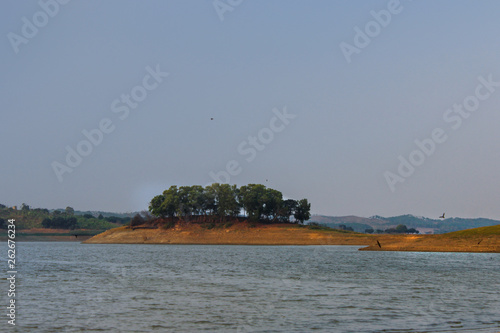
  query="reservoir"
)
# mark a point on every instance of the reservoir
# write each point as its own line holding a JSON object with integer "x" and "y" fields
{"x": 72, "y": 287}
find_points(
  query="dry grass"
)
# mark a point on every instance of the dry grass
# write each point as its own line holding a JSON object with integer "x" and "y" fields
{"x": 485, "y": 239}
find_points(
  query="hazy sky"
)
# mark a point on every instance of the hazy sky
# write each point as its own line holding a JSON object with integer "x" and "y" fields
{"x": 323, "y": 99}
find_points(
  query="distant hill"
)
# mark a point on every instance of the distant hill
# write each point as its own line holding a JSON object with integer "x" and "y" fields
{"x": 423, "y": 224}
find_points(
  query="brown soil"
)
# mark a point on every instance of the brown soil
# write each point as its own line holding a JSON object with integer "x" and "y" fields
{"x": 436, "y": 243}
{"x": 287, "y": 234}
{"x": 237, "y": 234}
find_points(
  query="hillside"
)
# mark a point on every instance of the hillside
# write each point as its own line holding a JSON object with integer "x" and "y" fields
{"x": 40, "y": 218}
{"x": 484, "y": 239}
{"x": 423, "y": 224}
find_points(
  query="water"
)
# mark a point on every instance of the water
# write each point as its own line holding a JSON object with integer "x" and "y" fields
{"x": 71, "y": 287}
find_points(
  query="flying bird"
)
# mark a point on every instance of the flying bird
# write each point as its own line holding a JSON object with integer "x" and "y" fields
{"x": 211, "y": 118}
{"x": 442, "y": 216}
{"x": 378, "y": 243}
{"x": 479, "y": 242}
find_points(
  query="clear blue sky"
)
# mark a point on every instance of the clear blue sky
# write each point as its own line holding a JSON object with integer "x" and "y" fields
{"x": 353, "y": 120}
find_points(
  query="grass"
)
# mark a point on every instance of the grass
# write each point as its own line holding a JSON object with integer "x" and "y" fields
{"x": 482, "y": 231}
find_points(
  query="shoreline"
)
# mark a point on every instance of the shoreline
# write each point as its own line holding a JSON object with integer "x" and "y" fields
{"x": 285, "y": 234}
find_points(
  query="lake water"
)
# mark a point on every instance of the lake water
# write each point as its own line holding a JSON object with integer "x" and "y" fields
{"x": 72, "y": 287}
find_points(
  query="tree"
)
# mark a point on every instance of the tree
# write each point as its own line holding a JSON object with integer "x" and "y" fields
{"x": 70, "y": 211}
{"x": 223, "y": 200}
{"x": 287, "y": 209}
{"x": 46, "y": 223}
{"x": 88, "y": 216}
{"x": 137, "y": 220}
{"x": 369, "y": 231}
{"x": 3, "y": 224}
{"x": 185, "y": 206}
{"x": 197, "y": 199}
{"x": 251, "y": 198}
{"x": 272, "y": 202}
{"x": 25, "y": 207}
{"x": 225, "y": 196}
{"x": 60, "y": 222}
{"x": 100, "y": 217}
{"x": 302, "y": 212}
{"x": 155, "y": 206}
{"x": 170, "y": 204}
{"x": 401, "y": 229}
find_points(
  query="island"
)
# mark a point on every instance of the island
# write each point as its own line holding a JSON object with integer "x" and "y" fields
{"x": 212, "y": 215}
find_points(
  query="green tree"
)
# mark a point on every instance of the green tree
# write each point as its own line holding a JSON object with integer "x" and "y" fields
{"x": 25, "y": 207}
{"x": 401, "y": 229}
{"x": 272, "y": 202}
{"x": 287, "y": 209}
{"x": 170, "y": 205}
{"x": 185, "y": 206}
{"x": 225, "y": 196}
{"x": 302, "y": 212}
{"x": 70, "y": 211}
{"x": 209, "y": 205}
{"x": 60, "y": 222}
{"x": 155, "y": 206}
{"x": 47, "y": 223}
{"x": 251, "y": 198}
{"x": 197, "y": 199}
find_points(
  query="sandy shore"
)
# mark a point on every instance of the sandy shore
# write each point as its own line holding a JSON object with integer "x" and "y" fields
{"x": 279, "y": 234}
{"x": 437, "y": 243}
{"x": 238, "y": 234}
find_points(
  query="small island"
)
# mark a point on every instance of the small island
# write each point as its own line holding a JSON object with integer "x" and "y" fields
{"x": 255, "y": 215}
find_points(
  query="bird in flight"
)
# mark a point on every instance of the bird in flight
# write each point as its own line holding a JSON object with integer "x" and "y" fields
{"x": 211, "y": 118}
{"x": 442, "y": 216}
{"x": 378, "y": 243}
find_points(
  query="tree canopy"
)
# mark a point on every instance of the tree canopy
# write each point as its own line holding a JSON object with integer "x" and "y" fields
{"x": 223, "y": 201}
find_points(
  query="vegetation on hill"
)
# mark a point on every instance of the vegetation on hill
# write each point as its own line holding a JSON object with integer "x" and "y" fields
{"x": 381, "y": 224}
{"x": 28, "y": 218}
{"x": 222, "y": 202}
{"x": 482, "y": 231}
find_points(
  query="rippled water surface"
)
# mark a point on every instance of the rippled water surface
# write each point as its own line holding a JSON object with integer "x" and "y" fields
{"x": 71, "y": 287}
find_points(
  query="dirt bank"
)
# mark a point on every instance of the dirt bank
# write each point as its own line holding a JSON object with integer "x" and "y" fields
{"x": 485, "y": 239}
{"x": 237, "y": 234}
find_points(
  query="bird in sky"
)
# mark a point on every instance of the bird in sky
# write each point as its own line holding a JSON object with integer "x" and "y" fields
{"x": 442, "y": 216}
{"x": 211, "y": 118}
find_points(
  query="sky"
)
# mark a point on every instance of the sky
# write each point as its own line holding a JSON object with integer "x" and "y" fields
{"x": 362, "y": 107}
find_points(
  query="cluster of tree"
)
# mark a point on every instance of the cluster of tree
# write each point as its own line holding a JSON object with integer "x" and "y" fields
{"x": 223, "y": 200}
{"x": 28, "y": 217}
{"x": 400, "y": 229}
{"x": 60, "y": 222}
{"x": 346, "y": 228}
{"x": 112, "y": 219}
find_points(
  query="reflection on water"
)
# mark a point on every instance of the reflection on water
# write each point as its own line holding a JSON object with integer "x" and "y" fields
{"x": 70, "y": 287}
